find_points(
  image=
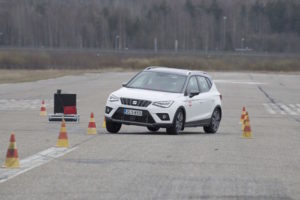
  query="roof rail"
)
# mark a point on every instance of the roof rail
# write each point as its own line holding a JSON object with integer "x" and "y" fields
{"x": 148, "y": 68}
{"x": 203, "y": 72}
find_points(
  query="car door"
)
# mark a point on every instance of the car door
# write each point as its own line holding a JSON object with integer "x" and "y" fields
{"x": 205, "y": 98}
{"x": 192, "y": 104}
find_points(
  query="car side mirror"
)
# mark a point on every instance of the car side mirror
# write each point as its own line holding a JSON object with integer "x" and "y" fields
{"x": 193, "y": 93}
{"x": 124, "y": 84}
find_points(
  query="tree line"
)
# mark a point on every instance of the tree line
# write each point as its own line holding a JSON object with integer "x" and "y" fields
{"x": 179, "y": 25}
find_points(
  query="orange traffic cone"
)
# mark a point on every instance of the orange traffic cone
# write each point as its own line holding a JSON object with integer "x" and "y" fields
{"x": 12, "y": 158}
{"x": 63, "y": 137}
{"x": 244, "y": 120}
{"x": 43, "y": 111}
{"x": 243, "y": 115}
{"x": 104, "y": 123}
{"x": 247, "y": 133}
{"x": 92, "y": 126}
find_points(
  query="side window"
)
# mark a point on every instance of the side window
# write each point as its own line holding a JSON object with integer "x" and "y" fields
{"x": 209, "y": 82}
{"x": 193, "y": 85}
{"x": 204, "y": 87}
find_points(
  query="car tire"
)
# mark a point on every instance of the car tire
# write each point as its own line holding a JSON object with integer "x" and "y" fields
{"x": 113, "y": 127}
{"x": 178, "y": 123}
{"x": 152, "y": 129}
{"x": 214, "y": 122}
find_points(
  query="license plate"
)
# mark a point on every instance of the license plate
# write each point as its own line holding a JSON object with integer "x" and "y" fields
{"x": 133, "y": 112}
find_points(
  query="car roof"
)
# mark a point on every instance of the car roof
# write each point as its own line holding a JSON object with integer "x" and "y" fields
{"x": 176, "y": 71}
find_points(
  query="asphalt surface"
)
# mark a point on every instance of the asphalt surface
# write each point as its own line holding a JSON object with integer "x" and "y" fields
{"x": 137, "y": 164}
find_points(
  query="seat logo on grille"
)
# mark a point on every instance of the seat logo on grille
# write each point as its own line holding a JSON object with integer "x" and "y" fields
{"x": 134, "y": 102}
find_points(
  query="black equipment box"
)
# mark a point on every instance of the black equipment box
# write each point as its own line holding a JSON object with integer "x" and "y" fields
{"x": 64, "y": 107}
{"x": 62, "y": 100}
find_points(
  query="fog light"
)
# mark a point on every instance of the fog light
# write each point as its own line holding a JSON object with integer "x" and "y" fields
{"x": 163, "y": 116}
{"x": 108, "y": 109}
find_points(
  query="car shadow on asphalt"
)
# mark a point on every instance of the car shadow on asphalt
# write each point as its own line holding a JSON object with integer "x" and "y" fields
{"x": 159, "y": 133}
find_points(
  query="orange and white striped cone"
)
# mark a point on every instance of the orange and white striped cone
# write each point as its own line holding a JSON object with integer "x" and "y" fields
{"x": 63, "y": 137}
{"x": 12, "y": 157}
{"x": 43, "y": 111}
{"x": 247, "y": 133}
{"x": 246, "y": 117}
{"x": 104, "y": 123}
{"x": 243, "y": 115}
{"x": 92, "y": 126}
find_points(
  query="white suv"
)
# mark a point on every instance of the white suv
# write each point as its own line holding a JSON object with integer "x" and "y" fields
{"x": 160, "y": 97}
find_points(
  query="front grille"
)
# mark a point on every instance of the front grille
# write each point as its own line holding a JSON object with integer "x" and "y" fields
{"x": 135, "y": 102}
{"x": 146, "y": 118}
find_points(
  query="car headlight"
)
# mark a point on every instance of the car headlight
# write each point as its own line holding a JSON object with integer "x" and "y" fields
{"x": 163, "y": 104}
{"x": 113, "y": 98}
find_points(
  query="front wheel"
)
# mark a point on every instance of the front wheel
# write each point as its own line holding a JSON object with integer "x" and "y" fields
{"x": 214, "y": 122}
{"x": 177, "y": 125}
{"x": 113, "y": 127}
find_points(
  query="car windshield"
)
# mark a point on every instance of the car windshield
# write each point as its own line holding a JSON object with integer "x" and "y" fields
{"x": 159, "y": 81}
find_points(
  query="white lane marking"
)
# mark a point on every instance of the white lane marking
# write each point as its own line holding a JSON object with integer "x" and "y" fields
{"x": 269, "y": 109}
{"x": 287, "y": 109}
{"x": 280, "y": 108}
{"x": 23, "y": 104}
{"x": 298, "y": 109}
{"x": 276, "y": 108}
{"x": 34, "y": 161}
{"x": 294, "y": 107}
{"x": 239, "y": 82}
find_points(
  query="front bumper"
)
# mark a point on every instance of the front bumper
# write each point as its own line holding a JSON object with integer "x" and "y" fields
{"x": 160, "y": 125}
{"x": 151, "y": 115}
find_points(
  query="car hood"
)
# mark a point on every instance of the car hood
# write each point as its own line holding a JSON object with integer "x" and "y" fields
{"x": 145, "y": 94}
